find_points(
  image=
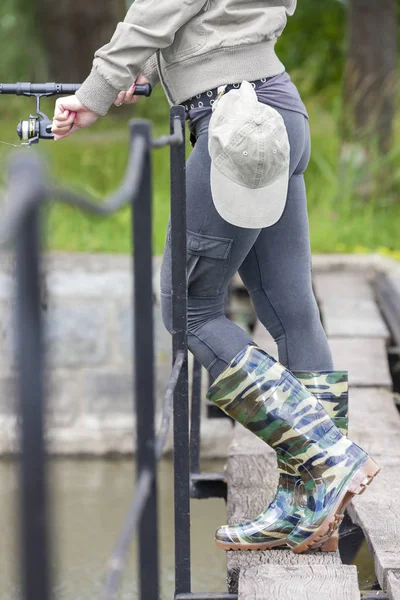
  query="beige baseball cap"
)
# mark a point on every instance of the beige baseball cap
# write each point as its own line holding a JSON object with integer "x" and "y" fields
{"x": 250, "y": 154}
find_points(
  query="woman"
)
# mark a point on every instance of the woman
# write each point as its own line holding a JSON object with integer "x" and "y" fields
{"x": 193, "y": 48}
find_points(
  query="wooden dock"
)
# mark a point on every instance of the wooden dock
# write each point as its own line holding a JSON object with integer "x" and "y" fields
{"x": 359, "y": 338}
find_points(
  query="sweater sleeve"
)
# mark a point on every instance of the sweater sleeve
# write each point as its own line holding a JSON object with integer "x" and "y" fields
{"x": 150, "y": 70}
{"x": 148, "y": 26}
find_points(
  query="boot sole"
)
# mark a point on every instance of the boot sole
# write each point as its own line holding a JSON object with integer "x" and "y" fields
{"x": 324, "y": 538}
{"x": 357, "y": 485}
{"x": 261, "y": 546}
{"x": 332, "y": 544}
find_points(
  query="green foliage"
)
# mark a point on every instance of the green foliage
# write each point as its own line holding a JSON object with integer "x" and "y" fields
{"x": 312, "y": 48}
{"x": 21, "y": 56}
{"x": 340, "y": 218}
{"x": 94, "y": 161}
{"x": 353, "y": 201}
{"x": 313, "y": 44}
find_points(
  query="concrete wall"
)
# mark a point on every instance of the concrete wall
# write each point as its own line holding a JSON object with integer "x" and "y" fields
{"x": 88, "y": 340}
{"x": 88, "y": 347}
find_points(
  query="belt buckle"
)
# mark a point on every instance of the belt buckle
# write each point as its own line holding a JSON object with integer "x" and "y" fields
{"x": 221, "y": 91}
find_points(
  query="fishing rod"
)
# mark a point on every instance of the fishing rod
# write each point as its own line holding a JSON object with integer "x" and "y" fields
{"x": 39, "y": 126}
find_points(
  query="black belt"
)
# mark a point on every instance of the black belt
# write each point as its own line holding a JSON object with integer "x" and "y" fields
{"x": 207, "y": 99}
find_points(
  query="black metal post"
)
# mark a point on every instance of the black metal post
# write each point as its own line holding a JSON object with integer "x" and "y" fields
{"x": 179, "y": 323}
{"x": 195, "y": 419}
{"x": 34, "y": 541}
{"x": 144, "y": 368}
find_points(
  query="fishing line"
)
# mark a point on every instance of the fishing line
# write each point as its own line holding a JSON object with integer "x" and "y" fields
{"x": 8, "y": 144}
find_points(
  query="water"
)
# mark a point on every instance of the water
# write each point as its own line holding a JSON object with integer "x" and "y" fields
{"x": 90, "y": 500}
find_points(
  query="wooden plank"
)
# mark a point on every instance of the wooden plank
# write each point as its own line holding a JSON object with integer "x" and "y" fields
{"x": 393, "y": 586}
{"x": 372, "y": 401}
{"x": 374, "y": 421}
{"x": 387, "y": 290}
{"x": 238, "y": 562}
{"x": 252, "y": 479}
{"x": 364, "y": 358}
{"x": 342, "y": 284}
{"x": 252, "y": 475}
{"x": 375, "y": 425}
{"x": 394, "y": 278}
{"x": 364, "y": 263}
{"x": 348, "y": 306}
{"x": 322, "y": 582}
{"x": 353, "y": 318}
{"x": 378, "y": 513}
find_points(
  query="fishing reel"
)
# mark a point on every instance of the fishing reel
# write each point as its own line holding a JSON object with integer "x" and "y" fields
{"x": 35, "y": 128}
{"x": 39, "y": 126}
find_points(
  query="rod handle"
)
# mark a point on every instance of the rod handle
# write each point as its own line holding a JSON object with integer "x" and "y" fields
{"x": 56, "y": 89}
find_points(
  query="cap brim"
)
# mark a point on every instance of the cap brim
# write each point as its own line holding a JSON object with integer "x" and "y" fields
{"x": 247, "y": 207}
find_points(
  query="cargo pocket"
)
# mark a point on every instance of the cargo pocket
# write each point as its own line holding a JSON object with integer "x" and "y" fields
{"x": 207, "y": 263}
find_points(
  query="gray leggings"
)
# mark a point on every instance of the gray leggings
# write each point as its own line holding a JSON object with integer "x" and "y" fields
{"x": 274, "y": 264}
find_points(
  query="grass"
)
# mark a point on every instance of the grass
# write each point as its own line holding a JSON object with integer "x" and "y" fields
{"x": 341, "y": 218}
{"x": 352, "y": 207}
{"x": 94, "y": 161}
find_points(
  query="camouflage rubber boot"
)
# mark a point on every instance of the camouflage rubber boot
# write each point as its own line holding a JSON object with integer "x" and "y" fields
{"x": 271, "y": 527}
{"x": 268, "y": 400}
{"x": 281, "y": 516}
{"x": 331, "y": 388}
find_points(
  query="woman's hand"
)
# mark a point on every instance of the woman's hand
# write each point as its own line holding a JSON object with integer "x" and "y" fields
{"x": 129, "y": 96}
{"x": 70, "y": 115}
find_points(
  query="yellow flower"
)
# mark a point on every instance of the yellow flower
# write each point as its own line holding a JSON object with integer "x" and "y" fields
{"x": 358, "y": 249}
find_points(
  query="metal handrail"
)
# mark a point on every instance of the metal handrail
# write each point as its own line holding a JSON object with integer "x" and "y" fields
{"x": 20, "y": 220}
{"x": 24, "y": 196}
{"x": 161, "y": 438}
{"x": 118, "y": 559}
